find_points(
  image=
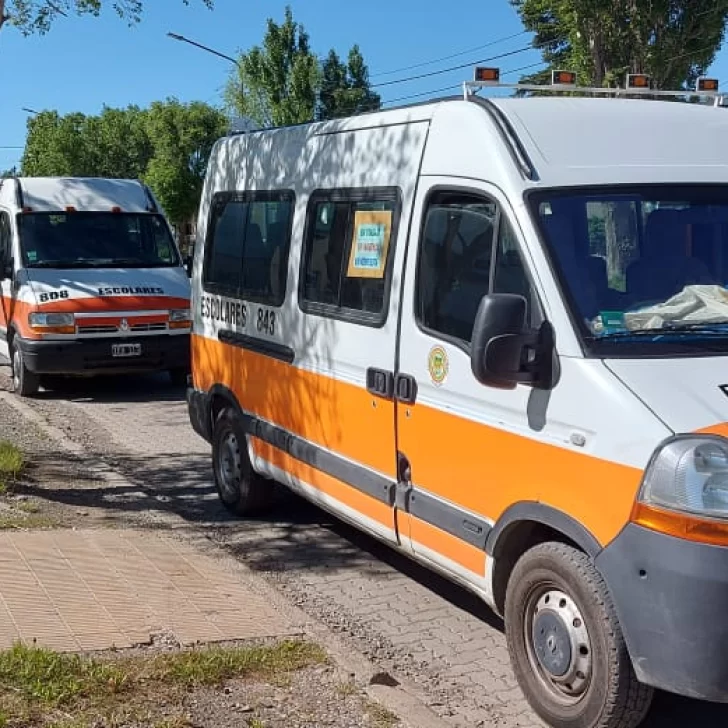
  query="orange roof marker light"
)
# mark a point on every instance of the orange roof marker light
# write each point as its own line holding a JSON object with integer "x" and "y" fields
{"x": 116, "y": 208}
{"x": 70, "y": 208}
{"x": 638, "y": 81}
{"x": 636, "y": 84}
{"x": 704, "y": 84}
{"x": 563, "y": 78}
{"x": 487, "y": 75}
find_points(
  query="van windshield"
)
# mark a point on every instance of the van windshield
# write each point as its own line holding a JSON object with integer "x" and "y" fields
{"x": 645, "y": 270}
{"x": 95, "y": 240}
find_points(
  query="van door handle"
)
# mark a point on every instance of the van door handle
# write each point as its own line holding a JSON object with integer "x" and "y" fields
{"x": 380, "y": 382}
{"x": 405, "y": 388}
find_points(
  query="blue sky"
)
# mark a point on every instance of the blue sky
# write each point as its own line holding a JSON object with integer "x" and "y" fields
{"x": 84, "y": 63}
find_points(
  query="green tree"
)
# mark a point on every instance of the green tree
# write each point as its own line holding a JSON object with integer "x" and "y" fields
{"x": 673, "y": 41}
{"x": 279, "y": 78}
{"x": 37, "y": 16}
{"x": 345, "y": 88}
{"x": 167, "y": 145}
{"x": 181, "y": 137}
{"x": 56, "y": 146}
{"x": 282, "y": 81}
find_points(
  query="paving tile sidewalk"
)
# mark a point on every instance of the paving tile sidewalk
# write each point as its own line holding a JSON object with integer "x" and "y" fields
{"x": 96, "y": 589}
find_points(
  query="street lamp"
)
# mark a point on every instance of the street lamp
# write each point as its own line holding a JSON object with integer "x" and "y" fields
{"x": 177, "y": 36}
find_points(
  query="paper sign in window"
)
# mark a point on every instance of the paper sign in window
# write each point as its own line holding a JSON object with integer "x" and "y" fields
{"x": 372, "y": 229}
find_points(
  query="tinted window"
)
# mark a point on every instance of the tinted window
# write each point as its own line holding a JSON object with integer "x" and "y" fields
{"x": 644, "y": 268}
{"x": 95, "y": 240}
{"x": 457, "y": 267}
{"x": 5, "y": 238}
{"x": 347, "y": 256}
{"x": 248, "y": 246}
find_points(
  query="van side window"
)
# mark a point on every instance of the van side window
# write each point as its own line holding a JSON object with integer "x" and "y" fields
{"x": 248, "y": 243}
{"x": 6, "y": 238}
{"x": 468, "y": 249}
{"x": 348, "y": 252}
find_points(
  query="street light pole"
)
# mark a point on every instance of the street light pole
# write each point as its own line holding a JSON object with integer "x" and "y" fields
{"x": 177, "y": 36}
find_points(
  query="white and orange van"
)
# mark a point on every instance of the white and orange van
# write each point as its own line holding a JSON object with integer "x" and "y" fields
{"x": 92, "y": 281}
{"x": 493, "y": 332}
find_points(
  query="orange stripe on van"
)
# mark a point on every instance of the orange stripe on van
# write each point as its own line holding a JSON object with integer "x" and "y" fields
{"x": 338, "y": 416}
{"x": 720, "y": 428}
{"x": 15, "y": 312}
{"x": 484, "y": 470}
{"x": 344, "y": 493}
{"x": 480, "y": 468}
{"x": 114, "y": 303}
{"x": 464, "y": 554}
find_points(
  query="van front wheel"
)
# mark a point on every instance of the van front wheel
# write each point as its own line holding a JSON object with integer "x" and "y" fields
{"x": 241, "y": 490}
{"x": 565, "y": 643}
{"x": 25, "y": 382}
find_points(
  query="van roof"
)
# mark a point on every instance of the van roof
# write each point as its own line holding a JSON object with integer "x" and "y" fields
{"x": 581, "y": 140}
{"x": 85, "y": 194}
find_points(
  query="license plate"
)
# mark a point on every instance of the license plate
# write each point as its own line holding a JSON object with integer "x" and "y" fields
{"x": 123, "y": 350}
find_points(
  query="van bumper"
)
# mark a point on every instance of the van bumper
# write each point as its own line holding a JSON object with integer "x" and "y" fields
{"x": 671, "y": 597}
{"x": 198, "y": 407}
{"x": 93, "y": 356}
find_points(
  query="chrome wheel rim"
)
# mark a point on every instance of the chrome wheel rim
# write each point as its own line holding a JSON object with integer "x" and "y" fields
{"x": 228, "y": 466}
{"x": 558, "y": 644}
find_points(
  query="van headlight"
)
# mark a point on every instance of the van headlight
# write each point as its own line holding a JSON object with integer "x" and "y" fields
{"x": 51, "y": 320}
{"x": 181, "y": 314}
{"x": 689, "y": 474}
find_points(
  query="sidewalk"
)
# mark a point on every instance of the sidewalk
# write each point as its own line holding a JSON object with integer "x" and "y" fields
{"x": 99, "y": 589}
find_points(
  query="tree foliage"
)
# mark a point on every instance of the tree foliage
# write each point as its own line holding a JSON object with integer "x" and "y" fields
{"x": 167, "y": 145}
{"x": 37, "y": 16}
{"x": 673, "y": 41}
{"x": 282, "y": 82}
{"x": 345, "y": 89}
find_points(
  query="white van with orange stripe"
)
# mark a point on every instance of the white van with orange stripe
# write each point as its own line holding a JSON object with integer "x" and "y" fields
{"x": 91, "y": 281}
{"x": 494, "y": 334}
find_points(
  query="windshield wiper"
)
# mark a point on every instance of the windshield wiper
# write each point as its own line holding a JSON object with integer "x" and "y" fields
{"x": 59, "y": 264}
{"x": 687, "y": 330}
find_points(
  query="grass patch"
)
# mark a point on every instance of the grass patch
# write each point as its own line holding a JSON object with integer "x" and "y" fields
{"x": 11, "y": 464}
{"x": 39, "y": 687}
{"x": 380, "y": 716}
{"x": 11, "y": 520}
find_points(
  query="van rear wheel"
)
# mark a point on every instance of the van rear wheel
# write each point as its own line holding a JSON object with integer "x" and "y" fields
{"x": 565, "y": 643}
{"x": 241, "y": 490}
{"x": 25, "y": 382}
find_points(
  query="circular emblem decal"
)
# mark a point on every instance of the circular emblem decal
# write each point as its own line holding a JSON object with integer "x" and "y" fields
{"x": 437, "y": 365}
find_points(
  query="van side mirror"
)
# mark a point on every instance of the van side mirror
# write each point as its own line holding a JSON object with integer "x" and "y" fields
{"x": 188, "y": 261}
{"x": 505, "y": 351}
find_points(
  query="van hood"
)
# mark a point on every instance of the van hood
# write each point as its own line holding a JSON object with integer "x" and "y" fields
{"x": 688, "y": 395}
{"x": 110, "y": 288}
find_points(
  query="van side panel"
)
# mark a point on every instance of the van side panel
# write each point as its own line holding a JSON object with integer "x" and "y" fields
{"x": 316, "y": 398}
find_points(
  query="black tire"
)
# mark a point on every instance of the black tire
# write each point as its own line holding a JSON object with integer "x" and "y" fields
{"x": 565, "y": 643}
{"x": 241, "y": 490}
{"x": 25, "y": 382}
{"x": 178, "y": 377}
